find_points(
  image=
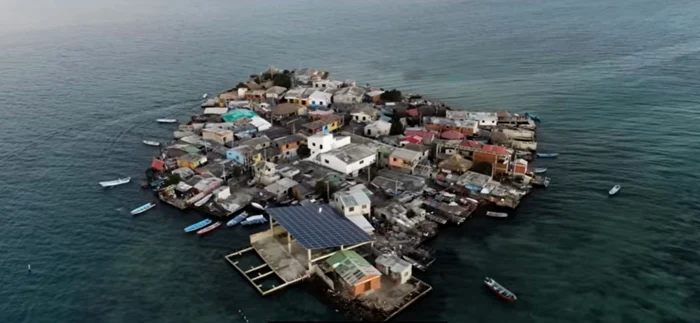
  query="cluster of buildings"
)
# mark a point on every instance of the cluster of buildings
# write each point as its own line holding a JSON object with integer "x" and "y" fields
{"x": 355, "y": 181}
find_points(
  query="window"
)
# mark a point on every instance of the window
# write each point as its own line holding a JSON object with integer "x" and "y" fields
{"x": 313, "y": 102}
{"x": 320, "y": 146}
{"x": 326, "y": 161}
{"x": 313, "y": 144}
{"x": 394, "y": 159}
{"x": 364, "y": 206}
{"x": 364, "y": 118}
{"x": 324, "y": 85}
{"x": 362, "y": 162}
{"x": 352, "y": 208}
{"x": 368, "y": 285}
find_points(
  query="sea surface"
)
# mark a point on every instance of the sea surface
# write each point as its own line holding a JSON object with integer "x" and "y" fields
{"x": 616, "y": 83}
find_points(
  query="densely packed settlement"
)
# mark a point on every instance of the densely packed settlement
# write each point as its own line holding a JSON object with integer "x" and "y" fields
{"x": 351, "y": 180}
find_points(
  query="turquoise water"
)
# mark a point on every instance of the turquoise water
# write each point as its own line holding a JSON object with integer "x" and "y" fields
{"x": 615, "y": 83}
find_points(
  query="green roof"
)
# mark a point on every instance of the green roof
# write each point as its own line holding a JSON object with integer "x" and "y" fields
{"x": 351, "y": 266}
{"x": 238, "y": 114}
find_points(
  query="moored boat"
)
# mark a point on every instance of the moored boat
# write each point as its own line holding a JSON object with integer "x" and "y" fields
{"x": 166, "y": 120}
{"x": 151, "y": 143}
{"x": 198, "y": 225}
{"x": 540, "y": 170}
{"x": 209, "y": 228}
{"x": 237, "y": 219}
{"x": 204, "y": 96}
{"x": 255, "y": 219}
{"x": 500, "y": 291}
{"x": 614, "y": 190}
{"x": 257, "y": 206}
{"x": 115, "y": 182}
{"x": 203, "y": 201}
{"x": 143, "y": 208}
{"x": 547, "y": 155}
{"x": 532, "y": 117}
{"x": 497, "y": 214}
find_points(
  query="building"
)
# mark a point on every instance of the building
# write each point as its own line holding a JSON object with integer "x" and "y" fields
{"x": 358, "y": 275}
{"x": 455, "y": 164}
{"x": 258, "y": 143}
{"x": 404, "y": 159}
{"x": 260, "y": 123}
{"x": 320, "y": 98}
{"x": 351, "y": 203}
{"x": 288, "y": 145}
{"x": 244, "y": 155}
{"x": 321, "y": 143}
{"x": 220, "y": 136}
{"x": 236, "y": 115}
{"x": 285, "y": 110}
{"x": 256, "y": 95}
{"x": 319, "y": 113}
{"x": 325, "y": 125}
{"x": 391, "y": 265}
{"x": 214, "y": 111}
{"x": 191, "y": 161}
{"x": 326, "y": 84}
{"x": 364, "y": 113}
{"x": 484, "y": 119}
{"x": 275, "y": 92}
{"x": 299, "y": 95}
{"x": 467, "y": 127}
{"x": 520, "y": 167}
{"x": 282, "y": 188}
{"x": 308, "y": 75}
{"x": 375, "y": 96}
{"x": 350, "y": 94}
{"x": 348, "y": 159}
{"x": 497, "y": 156}
{"x": 378, "y": 128}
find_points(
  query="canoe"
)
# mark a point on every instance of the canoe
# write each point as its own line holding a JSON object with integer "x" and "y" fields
{"x": 166, "y": 120}
{"x": 614, "y": 190}
{"x": 237, "y": 219}
{"x": 143, "y": 208}
{"x": 500, "y": 291}
{"x": 209, "y": 228}
{"x": 198, "y": 225}
{"x": 115, "y": 182}
{"x": 497, "y": 214}
{"x": 547, "y": 155}
{"x": 257, "y": 206}
{"x": 203, "y": 201}
{"x": 255, "y": 219}
{"x": 151, "y": 143}
{"x": 540, "y": 170}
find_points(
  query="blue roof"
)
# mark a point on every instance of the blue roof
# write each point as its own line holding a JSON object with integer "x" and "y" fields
{"x": 318, "y": 230}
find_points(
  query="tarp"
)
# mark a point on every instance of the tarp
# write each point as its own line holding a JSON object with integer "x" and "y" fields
{"x": 473, "y": 187}
{"x": 238, "y": 114}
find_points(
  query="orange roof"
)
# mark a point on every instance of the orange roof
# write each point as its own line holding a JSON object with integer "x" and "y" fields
{"x": 496, "y": 150}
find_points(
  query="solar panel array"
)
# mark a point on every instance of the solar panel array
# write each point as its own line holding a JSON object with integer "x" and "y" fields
{"x": 318, "y": 230}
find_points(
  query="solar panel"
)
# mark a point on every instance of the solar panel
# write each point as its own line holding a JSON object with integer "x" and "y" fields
{"x": 318, "y": 230}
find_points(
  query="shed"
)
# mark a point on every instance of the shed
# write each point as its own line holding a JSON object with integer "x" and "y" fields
{"x": 391, "y": 265}
{"x": 358, "y": 274}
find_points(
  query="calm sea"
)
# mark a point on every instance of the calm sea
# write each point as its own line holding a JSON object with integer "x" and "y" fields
{"x": 615, "y": 82}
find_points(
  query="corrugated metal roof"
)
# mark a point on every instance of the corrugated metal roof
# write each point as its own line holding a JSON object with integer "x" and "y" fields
{"x": 351, "y": 266}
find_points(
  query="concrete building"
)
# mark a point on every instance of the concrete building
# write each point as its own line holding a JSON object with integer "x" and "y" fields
{"x": 364, "y": 114}
{"x": 485, "y": 119}
{"x": 275, "y": 92}
{"x": 467, "y": 127}
{"x": 326, "y": 84}
{"x": 350, "y": 94}
{"x": 404, "y": 159}
{"x": 398, "y": 269}
{"x": 288, "y": 145}
{"x": 320, "y": 98}
{"x": 220, "y": 136}
{"x": 282, "y": 188}
{"x": 351, "y": 203}
{"x": 378, "y": 128}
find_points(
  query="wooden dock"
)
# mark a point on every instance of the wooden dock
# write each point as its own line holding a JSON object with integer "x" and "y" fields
{"x": 253, "y": 278}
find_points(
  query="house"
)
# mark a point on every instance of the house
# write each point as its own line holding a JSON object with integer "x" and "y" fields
{"x": 220, "y": 136}
{"x": 375, "y": 96}
{"x": 191, "y": 161}
{"x": 378, "y": 128}
{"x": 364, "y": 113}
{"x": 326, "y": 84}
{"x": 350, "y": 94}
{"x": 352, "y": 203}
{"x": 321, "y": 143}
{"x": 319, "y": 113}
{"x": 358, "y": 275}
{"x": 285, "y": 110}
{"x": 288, "y": 145}
{"x": 258, "y": 143}
{"x": 467, "y": 127}
{"x": 320, "y": 98}
{"x": 391, "y": 265}
{"x": 348, "y": 159}
{"x": 244, "y": 155}
{"x": 308, "y": 75}
{"x": 404, "y": 159}
{"x": 497, "y": 156}
{"x": 484, "y": 119}
{"x": 325, "y": 125}
{"x": 237, "y": 115}
{"x": 282, "y": 188}
{"x": 275, "y": 92}
{"x": 455, "y": 164}
{"x": 260, "y": 123}
{"x": 520, "y": 167}
{"x": 256, "y": 95}
{"x": 301, "y": 95}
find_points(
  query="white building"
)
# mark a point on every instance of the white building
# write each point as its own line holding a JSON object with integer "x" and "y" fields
{"x": 260, "y": 123}
{"x": 365, "y": 114}
{"x": 282, "y": 188}
{"x": 324, "y": 142}
{"x": 352, "y": 203}
{"x": 350, "y": 94}
{"x": 378, "y": 128}
{"x": 220, "y": 136}
{"x": 489, "y": 119}
{"x": 320, "y": 98}
{"x": 326, "y": 84}
{"x": 348, "y": 159}
{"x": 399, "y": 269}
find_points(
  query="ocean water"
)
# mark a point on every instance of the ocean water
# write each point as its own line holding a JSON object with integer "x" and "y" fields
{"x": 615, "y": 82}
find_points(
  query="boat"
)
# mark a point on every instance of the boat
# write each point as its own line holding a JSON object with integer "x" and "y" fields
{"x": 237, "y": 219}
{"x": 499, "y": 290}
{"x": 497, "y": 214}
{"x": 540, "y": 170}
{"x": 257, "y": 206}
{"x": 532, "y": 117}
{"x": 198, "y": 225}
{"x": 204, "y": 96}
{"x": 157, "y": 183}
{"x": 166, "y": 120}
{"x": 203, "y": 201}
{"x": 208, "y": 229}
{"x": 547, "y": 155}
{"x": 151, "y": 143}
{"x": 116, "y": 182}
{"x": 614, "y": 190}
{"x": 255, "y": 219}
{"x": 143, "y": 208}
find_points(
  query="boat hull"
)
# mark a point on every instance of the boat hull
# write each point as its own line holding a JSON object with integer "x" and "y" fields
{"x": 117, "y": 182}
{"x": 497, "y": 214}
{"x": 142, "y": 209}
{"x": 209, "y": 229}
{"x": 500, "y": 291}
{"x": 198, "y": 225}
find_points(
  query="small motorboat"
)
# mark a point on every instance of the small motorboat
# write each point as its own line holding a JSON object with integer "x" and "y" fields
{"x": 166, "y": 120}
{"x": 203, "y": 201}
{"x": 255, "y": 219}
{"x": 257, "y": 206}
{"x": 143, "y": 208}
{"x": 499, "y": 290}
{"x": 198, "y": 225}
{"x": 116, "y": 182}
{"x": 237, "y": 219}
{"x": 540, "y": 170}
{"x": 209, "y": 228}
{"x": 497, "y": 214}
{"x": 614, "y": 190}
{"x": 547, "y": 155}
{"x": 204, "y": 96}
{"x": 151, "y": 143}
{"x": 532, "y": 117}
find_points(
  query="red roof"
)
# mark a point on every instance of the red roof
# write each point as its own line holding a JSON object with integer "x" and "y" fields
{"x": 413, "y": 140}
{"x": 496, "y": 150}
{"x": 412, "y": 112}
{"x": 158, "y": 165}
{"x": 452, "y": 135}
{"x": 470, "y": 144}
{"x": 420, "y": 133}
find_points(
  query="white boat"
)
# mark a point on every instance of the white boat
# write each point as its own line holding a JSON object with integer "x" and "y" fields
{"x": 614, "y": 190}
{"x": 115, "y": 182}
{"x": 151, "y": 143}
{"x": 257, "y": 206}
{"x": 497, "y": 214}
{"x": 203, "y": 201}
{"x": 500, "y": 291}
{"x": 166, "y": 120}
{"x": 143, "y": 208}
{"x": 540, "y": 170}
{"x": 204, "y": 96}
